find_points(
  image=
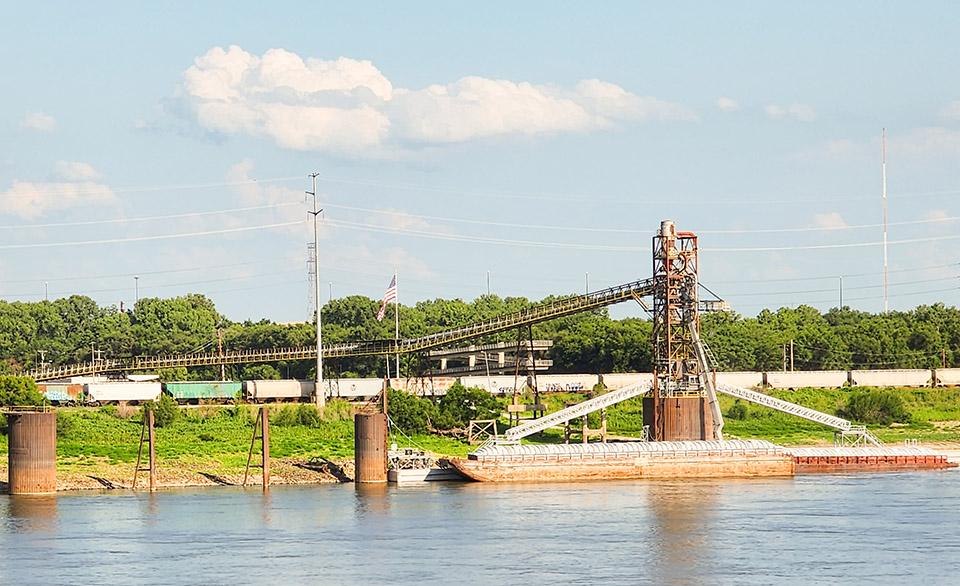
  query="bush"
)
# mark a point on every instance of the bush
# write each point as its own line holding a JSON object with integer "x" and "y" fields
{"x": 110, "y": 410}
{"x": 66, "y": 423}
{"x": 19, "y": 390}
{"x": 461, "y": 404}
{"x": 410, "y": 413}
{"x": 165, "y": 411}
{"x": 876, "y": 407}
{"x": 738, "y": 411}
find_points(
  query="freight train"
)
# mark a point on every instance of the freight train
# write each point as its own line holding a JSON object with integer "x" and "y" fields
{"x": 98, "y": 392}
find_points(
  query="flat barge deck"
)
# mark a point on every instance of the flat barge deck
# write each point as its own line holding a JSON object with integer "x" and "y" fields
{"x": 685, "y": 459}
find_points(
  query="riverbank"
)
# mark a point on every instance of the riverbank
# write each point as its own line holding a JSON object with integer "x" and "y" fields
{"x": 99, "y": 475}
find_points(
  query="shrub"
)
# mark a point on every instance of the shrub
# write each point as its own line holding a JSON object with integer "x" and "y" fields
{"x": 285, "y": 416}
{"x": 737, "y": 411}
{"x": 338, "y": 410}
{"x": 66, "y": 423}
{"x": 410, "y": 413}
{"x": 19, "y": 390}
{"x": 165, "y": 411}
{"x": 461, "y": 404}
{"x": 308, "y": 415}
{"x": 876, "y": 407}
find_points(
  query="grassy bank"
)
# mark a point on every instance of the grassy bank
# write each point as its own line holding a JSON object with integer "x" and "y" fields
{"x": 212, "y": 442}
{"x": 209, "y": 441}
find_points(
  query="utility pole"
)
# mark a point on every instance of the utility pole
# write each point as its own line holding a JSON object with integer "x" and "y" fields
{"x": 883, "y": 140}
{"x": 223, "y": 373}
{"x": 46, "y": 292}
{"x": 791, "y": 355}
{"x": 586, "y": 283}
{"x": 321, "y": 394}
{"x": 488, "y": 283}
{"x": 136, "y": 286}
{"x": 841, "y": 292}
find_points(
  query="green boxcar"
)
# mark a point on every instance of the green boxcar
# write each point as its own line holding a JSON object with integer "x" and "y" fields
{"x": 196, "y": 390}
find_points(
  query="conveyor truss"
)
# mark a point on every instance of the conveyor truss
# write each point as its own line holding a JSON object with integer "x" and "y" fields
{"x": 540, "y": 313}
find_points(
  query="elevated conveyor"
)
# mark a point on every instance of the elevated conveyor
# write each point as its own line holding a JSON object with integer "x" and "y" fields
{"x": 545, "y": 312}
{"x": 841, "y": 425}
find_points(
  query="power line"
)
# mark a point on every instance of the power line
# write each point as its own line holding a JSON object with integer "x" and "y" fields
{"x": 147, "y": 219}
{"x": 100, "y": 188}
{"x": 147, "y": 238}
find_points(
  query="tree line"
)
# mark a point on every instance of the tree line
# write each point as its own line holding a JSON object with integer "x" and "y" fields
{"x": 76, "y": 329}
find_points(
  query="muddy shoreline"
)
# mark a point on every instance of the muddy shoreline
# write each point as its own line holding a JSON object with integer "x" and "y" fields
{"x": 285, "y": 471}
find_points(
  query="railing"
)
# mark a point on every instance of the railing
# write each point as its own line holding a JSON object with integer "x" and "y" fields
{"x": 578, "y": 410}
{"x": 800, "y": 411}
{"x": 540, "y": 313}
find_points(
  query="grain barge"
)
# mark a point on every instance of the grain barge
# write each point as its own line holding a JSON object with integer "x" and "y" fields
{"x": 683, "y": 459}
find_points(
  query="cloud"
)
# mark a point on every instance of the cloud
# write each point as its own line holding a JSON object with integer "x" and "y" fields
{"x": 928, "y": 140}
{"x": 727, "y": 105}
{"x": 832, "y": 220}
{"x": 951, "y": 111}
{"x": 346, "y": 105}
{"x": 38, "y": 121}
{"x": 801, "y": 112}
{"x": 33, "y": 200}
{"x": 74, "y": 171}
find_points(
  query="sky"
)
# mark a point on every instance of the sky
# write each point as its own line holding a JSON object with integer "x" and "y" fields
{"x": 532, "y": 148}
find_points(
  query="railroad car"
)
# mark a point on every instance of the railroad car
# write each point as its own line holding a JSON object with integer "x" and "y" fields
{"x": 797, "y": 379}
{"x": 262, "y": 391}
{"x": 113, "y": 392}
{"x": 892, "y": 378}
{"x": 61, "y": 393}
{"x": 195, "y": 391}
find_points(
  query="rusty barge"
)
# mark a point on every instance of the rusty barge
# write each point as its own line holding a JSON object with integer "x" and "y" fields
{"x": 682, "y": 459}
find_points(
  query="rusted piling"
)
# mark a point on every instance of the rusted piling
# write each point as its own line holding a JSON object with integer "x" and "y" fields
{"x": 32, "y": 452}
{"x": 370, "y": 447}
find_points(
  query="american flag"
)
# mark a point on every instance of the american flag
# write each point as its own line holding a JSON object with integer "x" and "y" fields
{"x": 389, "y": 297}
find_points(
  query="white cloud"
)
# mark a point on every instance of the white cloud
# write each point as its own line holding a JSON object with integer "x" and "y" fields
{"x": 937, "y": 216}
{"x": 38, "y": 121}
{"x": 727, "y": 105}
{"x": 929, "y": 140}
{"x": 951, "y": 111}
{"x": 832, "y": 220}
{"x": 33, "y": 200}
{"x": 75, "y": 171}
{"x": 349, "y": 106}
{"x": 801, "y": 112}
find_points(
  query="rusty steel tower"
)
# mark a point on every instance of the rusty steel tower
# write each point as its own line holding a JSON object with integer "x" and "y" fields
{"x": 682, "y": 404}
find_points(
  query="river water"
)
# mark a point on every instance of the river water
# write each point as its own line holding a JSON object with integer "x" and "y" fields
{"x": 881, "y": 528}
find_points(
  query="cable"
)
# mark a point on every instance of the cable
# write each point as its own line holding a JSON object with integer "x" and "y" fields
{"x": 103, "y": 188}
{"x": 403, "y": 231}
{"x": 146, "y": 238}
{"x": 125, "y": 220}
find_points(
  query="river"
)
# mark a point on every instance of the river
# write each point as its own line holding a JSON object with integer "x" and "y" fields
{"x": 882, "y": 528}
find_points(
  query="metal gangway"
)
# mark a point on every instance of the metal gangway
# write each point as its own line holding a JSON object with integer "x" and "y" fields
{"x": 844, "y": 427}
{"x": 580, "y": 409}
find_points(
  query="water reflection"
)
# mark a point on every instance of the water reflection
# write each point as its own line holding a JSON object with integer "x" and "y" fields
{"x": 32, "y": 514}
{"x": 372, "y": 498}
{"x": 682, "y": 514}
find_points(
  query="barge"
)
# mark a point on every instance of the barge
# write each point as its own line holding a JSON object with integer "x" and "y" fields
{"x": 626, "y": 460}
{"x": 682, "y": 459}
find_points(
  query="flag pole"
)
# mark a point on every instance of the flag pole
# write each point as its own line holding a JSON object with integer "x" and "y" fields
{"x": 396, "y": 315}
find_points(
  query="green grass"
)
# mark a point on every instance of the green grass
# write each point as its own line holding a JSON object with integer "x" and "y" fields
{"x": 221, "y": 435}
